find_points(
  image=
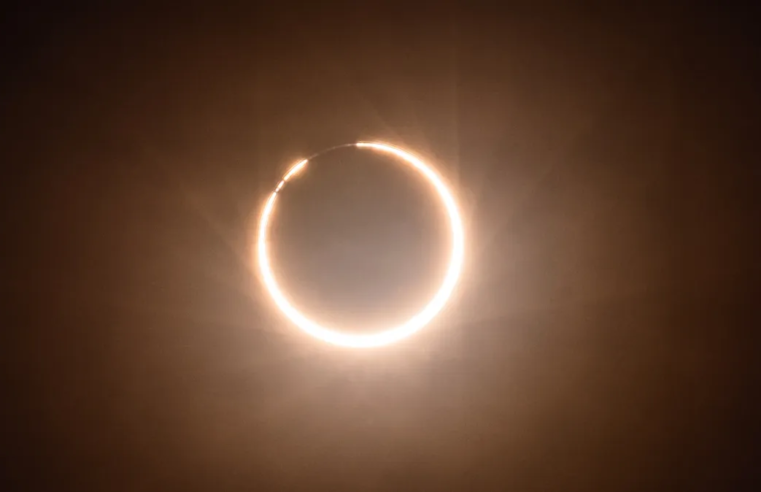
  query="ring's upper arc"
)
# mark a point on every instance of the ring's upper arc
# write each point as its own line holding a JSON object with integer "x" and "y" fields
{"x": 395, "y": 333}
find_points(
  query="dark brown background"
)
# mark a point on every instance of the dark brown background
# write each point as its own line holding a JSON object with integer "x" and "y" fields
{"x": 604, "y": 333}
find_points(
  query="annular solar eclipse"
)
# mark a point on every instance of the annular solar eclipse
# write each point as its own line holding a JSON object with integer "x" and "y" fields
{"x": 391, "y": 334}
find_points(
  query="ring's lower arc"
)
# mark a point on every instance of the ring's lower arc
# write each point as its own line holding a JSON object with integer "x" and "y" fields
{"x": 395, "y": 333}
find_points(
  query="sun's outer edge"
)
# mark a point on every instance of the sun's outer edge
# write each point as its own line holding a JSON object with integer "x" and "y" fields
{"x": 389, "y": 335}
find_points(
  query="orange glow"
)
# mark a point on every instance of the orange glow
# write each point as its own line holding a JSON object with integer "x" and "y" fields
{"x": 394, "y": 333}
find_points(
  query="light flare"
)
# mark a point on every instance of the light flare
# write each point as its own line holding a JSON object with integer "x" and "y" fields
{"x": 395, "y": 333}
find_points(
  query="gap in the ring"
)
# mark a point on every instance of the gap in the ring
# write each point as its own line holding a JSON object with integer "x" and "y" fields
{"x": 359, "y": 240}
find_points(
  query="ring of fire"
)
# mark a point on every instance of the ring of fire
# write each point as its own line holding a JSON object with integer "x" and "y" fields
{"x": 392, "y": 334}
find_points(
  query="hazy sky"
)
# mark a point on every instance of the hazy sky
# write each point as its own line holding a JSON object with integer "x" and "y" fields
{"x": 602, "y": 335}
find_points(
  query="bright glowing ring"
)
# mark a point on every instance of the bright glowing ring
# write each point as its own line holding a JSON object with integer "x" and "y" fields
{"x": 392, "y": 334}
